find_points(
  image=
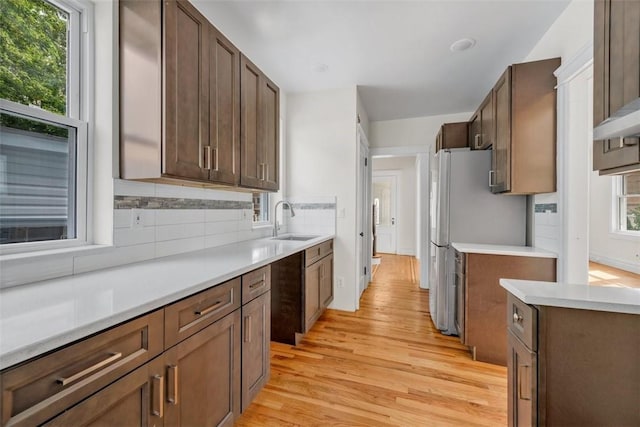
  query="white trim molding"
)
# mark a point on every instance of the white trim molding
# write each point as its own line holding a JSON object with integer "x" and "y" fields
{"x": 623, "y": 265}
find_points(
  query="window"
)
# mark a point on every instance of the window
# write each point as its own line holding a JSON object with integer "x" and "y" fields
{"x": 43, "y": 124}
{"x": 627, "y": 202}
{"x": 260, "y": 208}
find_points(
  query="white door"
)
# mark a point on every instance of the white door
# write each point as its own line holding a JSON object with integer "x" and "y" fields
{"x": 385, "y": 187}
{"x": 364, "y": 229}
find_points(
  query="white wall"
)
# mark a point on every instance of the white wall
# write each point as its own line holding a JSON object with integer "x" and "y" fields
{"x": 606, "y": 246}
{"x": 321, "y": 161}
{"x": 405, "y": 200}
{"x": 364, "y": 117}
{"x": 418, "y": 131}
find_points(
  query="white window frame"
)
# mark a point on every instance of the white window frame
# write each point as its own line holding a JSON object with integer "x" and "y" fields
{"x": 80, "y": 99}
{"x": 263, "y": 207}
{"x": 617, "y": 214}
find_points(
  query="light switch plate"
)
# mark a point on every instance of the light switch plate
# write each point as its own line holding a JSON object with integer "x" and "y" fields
{"x": 137, "y": 218}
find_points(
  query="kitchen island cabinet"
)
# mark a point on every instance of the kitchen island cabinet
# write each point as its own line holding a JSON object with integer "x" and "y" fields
{"x": 482, "y": 302}
{"x": 573, "y": 359}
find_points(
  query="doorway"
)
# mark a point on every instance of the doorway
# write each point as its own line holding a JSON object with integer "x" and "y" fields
{"x": 364, "y": 238}
{"x": 385, "y": 195}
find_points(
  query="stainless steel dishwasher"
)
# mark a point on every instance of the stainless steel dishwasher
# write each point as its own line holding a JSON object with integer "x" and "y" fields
{"x": 460, "y": 260}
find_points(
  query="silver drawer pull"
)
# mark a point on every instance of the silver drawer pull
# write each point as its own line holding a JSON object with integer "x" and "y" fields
{"x": 207, "y": 310}
{"x": 517, "y": 318}
{"x": 259, "y": 284}
{"x": 112, "y": 358}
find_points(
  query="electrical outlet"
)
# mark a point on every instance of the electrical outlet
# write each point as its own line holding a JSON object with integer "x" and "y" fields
{"x": 136, "y": 218}
{"x": 340, "y": 282}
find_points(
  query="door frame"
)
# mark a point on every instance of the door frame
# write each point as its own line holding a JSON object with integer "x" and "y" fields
{"x": 397, "y": 176}
{"x": 364, "y": 244}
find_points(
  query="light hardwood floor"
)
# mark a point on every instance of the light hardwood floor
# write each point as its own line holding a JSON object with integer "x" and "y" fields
{"x": 385, "y": 364}
{"x": 603, "y": 275}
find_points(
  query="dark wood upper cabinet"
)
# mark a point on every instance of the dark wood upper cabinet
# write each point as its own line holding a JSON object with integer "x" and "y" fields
{"x": 260, "y": 126}
{"x": 186, "y": 104}
{"x": 452, "y": 135}
{"x": 193, "y": 110}
{"x": 524, "y": 122}
{"x": 481, "y": 128}
{"x": 224, "y": 109}
{"x": 616, "y": 79}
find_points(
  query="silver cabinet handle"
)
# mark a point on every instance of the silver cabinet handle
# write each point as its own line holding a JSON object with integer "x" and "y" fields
{"x": 491, "y": 174}
{"x": 68, "y": 380}
{"x": 214, "y": 162}
{"x": 207, "y": 157}
{"x": 517, "y": 318}
{"x": 157, "y": 390}
{"x": 172, "y": 386}
{"x": 478, "y": 140}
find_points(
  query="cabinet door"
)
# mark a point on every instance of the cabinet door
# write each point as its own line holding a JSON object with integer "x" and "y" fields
{"x": 475, "y": 131}
{"x": 224, "y": 109}
{"x": 186, "y": 102}
{"x": 203, "y": 376}
{"x": 616, "y": 76}
{"x": 137, "y": 399}
{"x": 269, "y": 136}
{"x": 256, "y": 338}
{"x": 439, "y": 139}
{"x": 500, "y": 174}
{"x": 522, "y": 383}
{"x": 326, "y": 281}
{"x": 251, "y": 165}
{"x": 311, "y": 295}
{"x": 487, "y": 129}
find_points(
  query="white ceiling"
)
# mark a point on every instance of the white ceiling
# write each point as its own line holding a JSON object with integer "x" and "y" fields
{"x": 396, "y": 51}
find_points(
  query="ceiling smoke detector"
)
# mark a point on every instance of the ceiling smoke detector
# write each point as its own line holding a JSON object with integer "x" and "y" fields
{"x": 462, "y": 44}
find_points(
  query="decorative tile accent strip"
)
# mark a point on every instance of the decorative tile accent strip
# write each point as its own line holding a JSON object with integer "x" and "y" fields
{"x": 135, "y": 202}
{"x": 310, "y": 206}
{"x": 544, "y": 207}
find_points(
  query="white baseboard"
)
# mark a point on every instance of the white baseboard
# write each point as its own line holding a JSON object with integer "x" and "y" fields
{"x": 406, "y": 251}
{"x": 623, "y": 265}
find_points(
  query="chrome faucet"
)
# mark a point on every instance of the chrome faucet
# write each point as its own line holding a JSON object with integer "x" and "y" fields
{"x": 276, "y": 226}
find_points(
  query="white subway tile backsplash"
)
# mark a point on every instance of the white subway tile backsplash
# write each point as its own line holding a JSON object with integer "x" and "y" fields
{"x": 133, "y": 236}
{"x": 179, "y": 192}
{"x": 122, "y": 218}
{"x": 212, "y": 215}
{"x": 123, "y": 187}
{"x": 220, "y": 239}
{"x": 213, "y": 194}
{"x": 179, "y": 216}
{"x": 173, "y": 247}
{"x": 116, "y": 256}
{"x": 179, "y": 231}
{"x": 220, "y": 227}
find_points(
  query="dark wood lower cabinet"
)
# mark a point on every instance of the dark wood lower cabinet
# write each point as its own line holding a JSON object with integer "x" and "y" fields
{"x": 301, "y": 289}
{"x": 523, "y": 365}
{"x": 572, "y": 367}
{"x": 134, "y": 400}
{"x": 203, "y": 376}
{"x": 256, "y": 339}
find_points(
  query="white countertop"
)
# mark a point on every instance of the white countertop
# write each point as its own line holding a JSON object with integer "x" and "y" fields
{"x": 585, "y": 297}
{"x": 42, "y": 316}
{"x": 481, "y": 248}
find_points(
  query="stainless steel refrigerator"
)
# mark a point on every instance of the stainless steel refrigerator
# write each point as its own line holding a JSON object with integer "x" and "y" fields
{"x": 464, "y": 210}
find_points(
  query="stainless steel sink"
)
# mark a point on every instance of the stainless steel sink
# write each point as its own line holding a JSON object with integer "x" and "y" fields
{"x": 298, "y": 238}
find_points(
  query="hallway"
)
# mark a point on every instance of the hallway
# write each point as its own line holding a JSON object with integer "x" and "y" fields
{"x": 383, "y": 365}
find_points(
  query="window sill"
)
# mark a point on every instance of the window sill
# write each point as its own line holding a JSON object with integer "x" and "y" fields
{"x": 261, "y": 226}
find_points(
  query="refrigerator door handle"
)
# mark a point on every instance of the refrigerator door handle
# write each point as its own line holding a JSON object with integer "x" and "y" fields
{"x": 491, "y": 175}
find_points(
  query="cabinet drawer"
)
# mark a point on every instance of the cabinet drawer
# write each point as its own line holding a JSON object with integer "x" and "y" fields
{"x": 255, "y": 283}
{"x": 317, "y": 252}
{"x": 190, "y": 315}
{"x": 38, "y": 390}
{"x": 522, "y": 320}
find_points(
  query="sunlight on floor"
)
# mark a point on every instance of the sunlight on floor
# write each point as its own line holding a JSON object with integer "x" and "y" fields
{"x": 603, "y": 275}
